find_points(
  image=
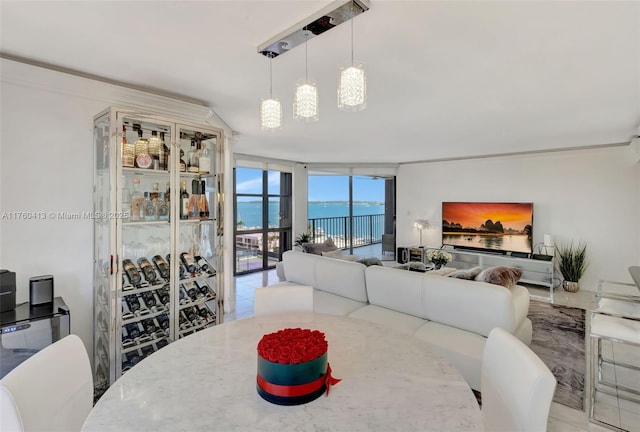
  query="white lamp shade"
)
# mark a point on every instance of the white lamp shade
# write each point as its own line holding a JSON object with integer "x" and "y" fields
{"x": 305, "y": 104}
{"x": 352, "y": 89}
{"x": 270, "y": 114}
{"x": 548, "y": 240}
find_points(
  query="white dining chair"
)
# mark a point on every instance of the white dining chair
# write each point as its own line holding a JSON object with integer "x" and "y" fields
{"x": 517, "y": 387}
{"x": 278, "y": 299}
{"x": 50, "y": 391}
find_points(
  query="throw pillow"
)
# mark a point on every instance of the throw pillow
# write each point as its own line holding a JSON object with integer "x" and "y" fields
{"x": 468, "y": 274}
{"x": 444, "y": 271}
{"x": 370, "y": 261}
{"x": 505, "y": 276}
{"x": 333, "y": 254}
{"x": 317, "y": 248}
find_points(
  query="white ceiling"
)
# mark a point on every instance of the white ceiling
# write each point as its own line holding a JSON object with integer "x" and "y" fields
{"x": 446, "y": 79}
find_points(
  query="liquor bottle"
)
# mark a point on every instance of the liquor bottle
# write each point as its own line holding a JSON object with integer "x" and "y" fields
{"x": 154, "y": 149}
{"x": 162, "y": 207}
{"x": 204, "y": 163}
{"x": 204, "y": 265}
{"x": 132, "y": 272}
{"x": 132, "y": 303}
{"x": 188, "y": 262}
{"x": 192, "y": 158}
{"x": 162, "y": 266}
{"x": 149, "y": 208}
{"x": 147, "y": 270}
{"x": 155, "y": 191}
{"x": 183, "y": 164}
{"x": 194, "y": 202}
{"x": 184, "y": 201}
{"x": 143, "y": 159}
{"x": 128, "y": 150}
{"x": 203, "y": 205}
{"x": 167, "y": 193}
{"x": 137, "y": 202}
{"x": 166, "y": 155}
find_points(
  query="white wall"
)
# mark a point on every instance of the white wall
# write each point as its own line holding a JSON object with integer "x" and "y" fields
{"x": 582, "y": 195}
{"x": 46, "y": 165}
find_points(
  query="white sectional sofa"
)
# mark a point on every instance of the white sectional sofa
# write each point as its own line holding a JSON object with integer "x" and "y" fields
{"x": 454, "y": 316}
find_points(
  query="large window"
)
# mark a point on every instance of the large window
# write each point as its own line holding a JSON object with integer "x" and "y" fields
{"x": 262, "y": 214}
{"x": 353, "y": 210}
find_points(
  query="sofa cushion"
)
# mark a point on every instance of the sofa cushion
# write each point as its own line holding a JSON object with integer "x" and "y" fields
{"x": 521, "y": 300}
{"x": 332, "y": 304}
{"x": 300, "y": 267}
{"x": 462, "y": 348}
{"x": 468, "y": 274}
{"x": 500, "y": 275}
{"x": 400, "y": 291}
{"x": 317, "y": 248}
{"x": 370, "y": 261}
{"x": 340, "y": 277}
{"x": 474, "y": 306}
{"x": 399, "y": 321}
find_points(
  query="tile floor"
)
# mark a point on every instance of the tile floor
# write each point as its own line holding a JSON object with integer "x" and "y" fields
{"x": 561, "y": 418}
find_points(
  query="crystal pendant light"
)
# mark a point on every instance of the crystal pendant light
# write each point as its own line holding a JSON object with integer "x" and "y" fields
{"x": 352, "y": 89}
{"x": 270, "y": 109}
{"x": 305, "y": 105}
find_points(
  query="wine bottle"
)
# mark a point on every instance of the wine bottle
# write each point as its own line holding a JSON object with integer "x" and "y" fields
{"x": 189, "y": 313}
{"x": 147, "y": 270}
{"x": 166, "y": 155}
{"x": 188, "y": 262}
{"x": 204, "y": 265}
{"x": 203, "y": 311}
{"x": 184, "y": 201}
{"x": 162, "y": 266}
{"x": 163, "y": 321}
{"x": 192, "y": 292}
{"x": 133, "y": 330}
{"x": 149, "y": 326}
{"x": 162, "y": 343}
{"x": 149, "y": 299}
{"x": 183, "y": 165}
{"x": 132, "y": 272}
{"x": 163, "y": 295}
{"x": 149, "y": 208}
{"x": 180, "y": 267}
{"x": 132, "y": 302}
{"x": 143, "y": 159}
{"x": 202, "y": 287}
{"x": 203, "y": 206}
{"x": 194, "y": 202}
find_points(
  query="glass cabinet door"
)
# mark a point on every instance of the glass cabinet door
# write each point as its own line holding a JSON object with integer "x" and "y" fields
{"x": 146, "y": 239}
{"x": 199, "y": 262}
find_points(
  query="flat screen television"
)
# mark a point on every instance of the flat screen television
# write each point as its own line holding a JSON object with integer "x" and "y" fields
{"x": 488, "y": 226}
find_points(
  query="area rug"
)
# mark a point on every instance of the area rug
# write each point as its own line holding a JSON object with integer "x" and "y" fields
{"x": 558, "y": 339}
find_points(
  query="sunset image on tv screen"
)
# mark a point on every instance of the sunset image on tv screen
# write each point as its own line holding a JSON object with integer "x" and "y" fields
{"x": 496, "y": 226}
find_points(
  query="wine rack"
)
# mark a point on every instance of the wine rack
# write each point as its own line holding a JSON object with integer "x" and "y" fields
{"x": 158, "y": 270}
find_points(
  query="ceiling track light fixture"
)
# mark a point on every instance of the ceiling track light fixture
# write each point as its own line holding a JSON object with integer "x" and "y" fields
{"x": 305, "y": 103}
{"x": 271, "y": 108}
{"x": 352, "y": 87}
{"x": 352, "y": 92}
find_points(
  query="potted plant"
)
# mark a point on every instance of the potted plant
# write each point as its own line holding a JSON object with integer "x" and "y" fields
{"x": 303, "y": 238}
{"x": 572, "y": 264}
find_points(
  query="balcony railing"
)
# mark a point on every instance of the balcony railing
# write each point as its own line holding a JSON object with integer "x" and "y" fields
{"x": 365, "y": 230}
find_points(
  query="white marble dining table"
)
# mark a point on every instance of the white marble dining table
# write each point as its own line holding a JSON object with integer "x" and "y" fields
{"x": 207, "y": 382}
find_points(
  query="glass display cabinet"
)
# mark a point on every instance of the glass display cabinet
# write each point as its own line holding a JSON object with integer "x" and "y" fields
{"x": 157, "y": 236}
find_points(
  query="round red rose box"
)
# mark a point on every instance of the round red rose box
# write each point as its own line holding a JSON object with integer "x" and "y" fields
{"x": 292, "y": 366}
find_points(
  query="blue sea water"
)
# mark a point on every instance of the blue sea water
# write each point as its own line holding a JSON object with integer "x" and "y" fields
{"x": 250, "y": 213}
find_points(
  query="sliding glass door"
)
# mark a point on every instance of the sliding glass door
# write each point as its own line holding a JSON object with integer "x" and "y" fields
{"x": 355, "y": 211}
{"x": 262, "y": 215}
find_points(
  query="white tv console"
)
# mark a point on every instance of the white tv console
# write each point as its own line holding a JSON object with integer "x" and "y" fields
{"x": 534, "y": 272}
